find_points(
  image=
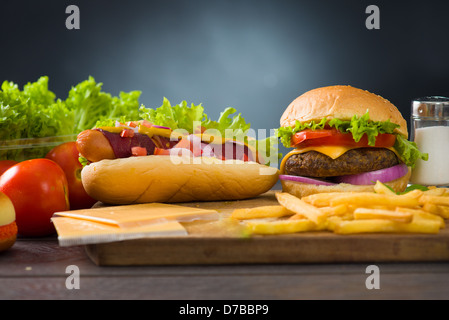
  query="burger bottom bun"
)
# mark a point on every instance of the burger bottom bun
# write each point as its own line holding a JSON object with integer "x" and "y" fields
{"x": 175, "y": 179}
{"x": 7, "y": 243}
{"x": 300, "y": 189}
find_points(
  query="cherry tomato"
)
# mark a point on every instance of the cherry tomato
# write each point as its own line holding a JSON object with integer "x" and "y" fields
{"x": 66, "y": 155}
{"x": 37, "y": 188}
{"x": 6, "y": 164}
{"x": 333, "y": 137}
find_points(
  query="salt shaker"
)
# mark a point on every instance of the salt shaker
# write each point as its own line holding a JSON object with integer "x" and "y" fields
{"x": 430, "y": 131}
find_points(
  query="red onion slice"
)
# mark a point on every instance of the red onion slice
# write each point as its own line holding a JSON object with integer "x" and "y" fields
{"x": 305, "y": 180}
{"x": 367, "y": 178}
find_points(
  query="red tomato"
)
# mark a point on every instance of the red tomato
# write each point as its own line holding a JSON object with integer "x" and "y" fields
{"x": 66, "y": 155}
{"x": 309, "y": 134}
{"x": 192, "y": 145}
{"x": 161, "y": 152}
{"x": 333, "y": 137}
{"x": 37, "y": 188}
{"x": 184, "y": 143}
{"x": 6, "y": 164}
{"x": 138, "y": 151}
{"x": 127, "y": 133}
{"x": 146, "y": 123}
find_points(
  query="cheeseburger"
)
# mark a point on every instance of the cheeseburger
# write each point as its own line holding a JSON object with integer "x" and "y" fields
{"x": 344, "y": 139}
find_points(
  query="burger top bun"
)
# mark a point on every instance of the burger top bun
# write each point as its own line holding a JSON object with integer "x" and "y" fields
{"x": 342, "y": 102}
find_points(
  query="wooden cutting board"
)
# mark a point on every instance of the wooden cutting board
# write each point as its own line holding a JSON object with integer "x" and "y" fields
{"x": 222, "y": 242}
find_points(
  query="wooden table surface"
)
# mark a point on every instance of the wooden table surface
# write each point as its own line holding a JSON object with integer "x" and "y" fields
{"x": 36, "y": 269}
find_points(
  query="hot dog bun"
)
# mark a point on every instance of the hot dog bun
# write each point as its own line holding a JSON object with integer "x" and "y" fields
{"x": 175, "y": 179}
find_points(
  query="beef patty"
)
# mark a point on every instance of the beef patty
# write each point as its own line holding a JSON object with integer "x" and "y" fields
{"x": 316, "y": 164}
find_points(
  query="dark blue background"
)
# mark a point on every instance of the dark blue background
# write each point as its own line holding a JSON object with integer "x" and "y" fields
{"x": 256, "y": 56}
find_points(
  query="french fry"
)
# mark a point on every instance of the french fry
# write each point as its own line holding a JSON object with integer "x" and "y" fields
{"x": 387, "y": 226}
{"x": 297, "y": 216}
{"x": 281, "y": 226}
{"x": 444, "y": 201}
{"x": 333, "y": 221}
{"x": 381, "y": 188}
{"x": 261, "y": 212}
{"x": 301, "y": 207}
{"x": 373, "y": 199}
{"x": 322, "y": 199}
{"x": 364, "y": 226}
{"x": 339, "y": 210}
{"x": 420, "y": 215}
{"x": 446, "y": 193}
{"x": 438, "y": 192}
{"x": 442, "y": 211}
{"x": 369, "y": 213}
{"x": 414, "y": 193}
{"x": 421, "y": 224}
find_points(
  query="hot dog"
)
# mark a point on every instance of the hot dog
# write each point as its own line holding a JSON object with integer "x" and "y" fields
{"x": 141, "y": 138}
{"x": 122, "y": 141}
{"x": 94, "y": 146}
{"x": 137, "y": 162}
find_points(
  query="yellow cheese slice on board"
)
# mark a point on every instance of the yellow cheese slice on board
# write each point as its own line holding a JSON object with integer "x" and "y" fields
{"x": 140, "y": 214}
{"x": 80, "y": 232}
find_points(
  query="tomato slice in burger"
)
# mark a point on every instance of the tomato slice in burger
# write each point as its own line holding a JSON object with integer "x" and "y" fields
{"x": 333, "y": 137}
{"x": 308, "y": 134}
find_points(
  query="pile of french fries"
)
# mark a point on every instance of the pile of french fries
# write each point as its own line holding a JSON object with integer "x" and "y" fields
{"x": 381, "y": 211}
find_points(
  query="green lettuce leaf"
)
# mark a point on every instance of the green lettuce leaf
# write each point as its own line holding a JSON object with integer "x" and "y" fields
{"x": 180, "y": 116}
{"x": 90, "y": 104}
{"x": 285, "y": 133}
{"x": 359, "y": 126}
{"x": 183, "y": 116}
{"x": 31, "y": 113}
{"x": 225, "y": 122}
{"x": 408, "y": 151}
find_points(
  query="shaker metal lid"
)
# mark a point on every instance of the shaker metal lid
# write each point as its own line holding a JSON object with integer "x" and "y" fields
{"x": 431, "y": 106}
